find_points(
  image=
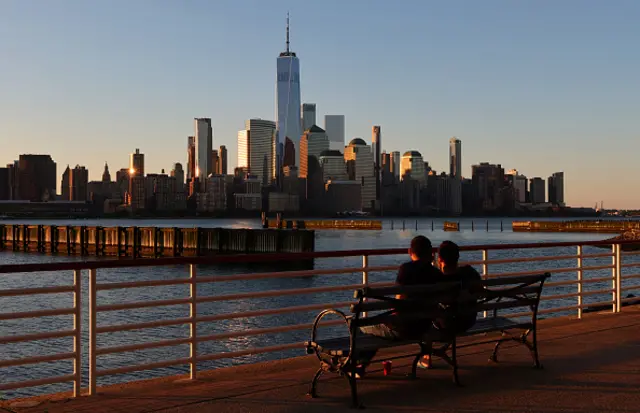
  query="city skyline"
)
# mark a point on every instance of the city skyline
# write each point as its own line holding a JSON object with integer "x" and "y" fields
{"x": 562, "y": 125}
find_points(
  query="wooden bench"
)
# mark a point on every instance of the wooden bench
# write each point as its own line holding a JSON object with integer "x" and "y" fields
{"x": 340, "y": 355}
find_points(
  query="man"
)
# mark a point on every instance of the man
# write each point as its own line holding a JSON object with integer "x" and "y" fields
{"x": 470, "y": 279}
{"x": 418, "y": 271}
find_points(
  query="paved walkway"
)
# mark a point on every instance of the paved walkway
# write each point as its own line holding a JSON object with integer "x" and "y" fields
{"x": 592, "y": 365}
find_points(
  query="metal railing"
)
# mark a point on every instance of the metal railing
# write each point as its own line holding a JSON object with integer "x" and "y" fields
{"x": 615, "y": 284}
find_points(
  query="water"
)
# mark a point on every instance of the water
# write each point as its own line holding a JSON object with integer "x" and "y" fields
{"x": 325, "y": 240}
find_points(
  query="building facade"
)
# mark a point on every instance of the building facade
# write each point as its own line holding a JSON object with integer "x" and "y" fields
{"x": 359, "y": 160}
{"x": 257, "y": 149}
{"x": 223, "y": 168}
{"x": 203, "y": 147}
{"x": 333, "y": 166}
{"x": 313, "y": 142}
{"x": 537, "y": 192}
{"x": 136, "y": 162}
{"x": 308, "y": 115}
{"x": 489, "y": 182}
{"x": 412, "y": 166}
{"x": 36, "y": 178}
{"x": 334, "y": 126}
{"x": 455, "y": 157}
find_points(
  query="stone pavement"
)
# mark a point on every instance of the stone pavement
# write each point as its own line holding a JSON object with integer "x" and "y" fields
{"x": 591, "y": 365}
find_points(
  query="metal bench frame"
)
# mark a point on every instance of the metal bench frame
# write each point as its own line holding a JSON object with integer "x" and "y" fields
{"x": 512, "y": 292}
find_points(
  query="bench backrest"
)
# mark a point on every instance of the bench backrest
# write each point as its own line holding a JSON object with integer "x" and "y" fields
{"x": 442, "y": 300}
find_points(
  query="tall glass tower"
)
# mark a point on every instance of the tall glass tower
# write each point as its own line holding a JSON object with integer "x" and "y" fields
{"x": 288, "y": 106}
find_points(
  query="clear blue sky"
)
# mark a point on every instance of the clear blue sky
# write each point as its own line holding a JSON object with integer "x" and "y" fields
{"x": 540, "y": 86}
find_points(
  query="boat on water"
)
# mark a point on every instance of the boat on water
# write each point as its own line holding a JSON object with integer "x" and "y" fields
{"x": 631, "y": 235}
{"x": 451, "y": 226}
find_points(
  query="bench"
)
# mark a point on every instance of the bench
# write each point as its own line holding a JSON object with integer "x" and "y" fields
{"x": 376, "y": 305}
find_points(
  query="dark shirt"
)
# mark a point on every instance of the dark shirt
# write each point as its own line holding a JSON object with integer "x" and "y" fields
{"x": 467, "y": 311}
{"x": 419, "y": 272}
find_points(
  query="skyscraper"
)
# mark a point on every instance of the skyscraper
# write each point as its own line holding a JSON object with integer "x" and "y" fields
{"x": 191, "y": 157}
{"x": 359, "y": 160}
{"x": 5, "y": 188}
{"x": 536, "y": 190}
{"x": 395, "y": 165}
{"x": 203, "y": 147}
{"x": 334, "y": 126}
{"x": 222, "y": 153}
{"x": 455, "y": 158}
{"x": 257, "y": 149}
{"x": 312, "y": 143}
{"x": 308, "y": 115}
{"x": 136, "y": 163}
{"x": 288, "y": 103}
{"x": 412, "y": 166}
{"x": 78, "y": 183}
{"x": 555, "y": 188}
{"x": 215, "y": 161}
{"x": 376, "y": 143}
{"x": 36, "y": 178}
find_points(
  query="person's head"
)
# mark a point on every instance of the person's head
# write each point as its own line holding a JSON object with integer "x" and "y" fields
{"x": 421, "y": 248}
{"x": 448, "y": 255}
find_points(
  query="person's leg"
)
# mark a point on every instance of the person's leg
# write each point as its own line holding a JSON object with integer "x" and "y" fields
{"x": 379, "y": 330}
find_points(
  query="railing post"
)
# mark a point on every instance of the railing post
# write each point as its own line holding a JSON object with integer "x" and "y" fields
{"x": 618, "y": 280}
{"x": 365, "y": 274}
{"x": 579, "y": 281}
{"x": 193, "y": 315}
{"x": 92, "y": 331}
{"x": 77, "y": 338}
{"x": 485, "y": 269}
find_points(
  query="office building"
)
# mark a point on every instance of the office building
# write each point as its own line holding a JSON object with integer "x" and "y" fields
{"x": 203, "y": 147}
{"x": 222, "y": 153}
{"x": 334, "y": 127}
{"x": 191, "y": 158}
{"x": 332, "y": 165}
{"x": 257, "y": 149}
{"x": 395, "y": 165}
{"x": 215, "y": 162}
{"x": 489, "y": 182}
{"x": 78, "y": 184}
{"x": 288, "y": 105}
{"x": 556, "y": 188}
{"x": 455, "y": 158}
{"x": 308, "y": 115}
{"x": 36, "y": 178}
{"x": 536, "y": 188}
{"x": 136, "y": 163}
{"x": 359, "y": 160}
{"x": 178, "y": 173}
{"x": 65, "y": 188}
{"x": 5, "y": 187}
{"x": 519, "y": 183}
{"x": 342, "y": 196}
{"x": 376, "y": 147}
{"x": 412, "y": 166}
{"x": 136, "y": 195}
{"x": 312, "y": 143}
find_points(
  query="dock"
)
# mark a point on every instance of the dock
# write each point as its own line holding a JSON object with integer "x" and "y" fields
{"x": 601, "y": 226}
{"x": 591, "y": 365}
{"x": 139, "y": 242}
{"x": 327, "y": 224}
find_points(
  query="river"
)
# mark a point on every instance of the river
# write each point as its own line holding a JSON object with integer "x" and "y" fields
{"x": 325, "y": 240}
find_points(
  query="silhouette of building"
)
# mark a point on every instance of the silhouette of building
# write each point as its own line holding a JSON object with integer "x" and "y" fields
{"x": 489, "y": 181}
{"x": 257, "y": 149}
{"x": 191, "y": 158}
{"x": 313, "y": 142}
{"x": 136, "y": 162}
{"x": 536, "y": 188}
{"x": 222, "y": 153}
{"x": 36, "y": 178}
{"x": 334, "y": 126}
{"x": 203, "y": 147}
{"x": 308, "y": 115}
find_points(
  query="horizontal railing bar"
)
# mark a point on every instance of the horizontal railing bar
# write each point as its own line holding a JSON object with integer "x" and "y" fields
{"x": 37, "y": 382}
{"x": 142, "y": 346}
{"x": 142, "y": 304}
{"x": 261, "y": 331}
{"x": 250, "y": 351}
{"x": 138, "y": 284}
{"x": 534, "y": 272}
{"x": 277, "y": 293}
{"x": 584, "y": 293}
{"x": 598, "y": 304}
{"x": 596, "y": 280}
{"x": 39, "y": 313}
{"x": 291, "y": 274}
{"x": 629, "y": 276}
{"x": 139, "y": 367}
{"x": 530, "y": 259}
{"x": 629, "y": 253}
{"x": 630, "y": 265}
{"x": 631, "y": 287}
{"x": 36, "y": 336}
{"x": 557, "y": 309}
{"x": 140, "y": 326}
{"x": 596, "y": 255}
{"x": 559, "y": 283}
{"x": 36, "y": 360}
{"x": 35, "y": 291}
{"x": 272, "y": 311}
{"x": 272, "y": 257}
{"x": 628, "y": 299}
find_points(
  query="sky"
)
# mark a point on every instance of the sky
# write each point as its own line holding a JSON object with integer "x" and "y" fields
{"x": 540, "y": 86}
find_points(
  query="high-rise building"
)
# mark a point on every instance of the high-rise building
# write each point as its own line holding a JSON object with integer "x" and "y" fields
{"x": 178, "y": 173}
{"x": 78, "y": 184}
{"x": 376, "y": 147}
{"x": 313, "y": 142}
{"x": 203, "y": 147}
{"x": 412, "y": 166}
{"x": 359, "y": 159}
{"x": 5, "y": 187}
{"x": 488, "y": 180}
{"x": 65, "y": 187}
{"x": 106, "y": 175}
{"x": 136, "y": 163}
{"x": 222, "y": 153}
{"x": 191, "y": 157}
{"x": 288, "y": 103}
{"x": 257, "y": 149}
{"x": 36, "y": 178}
{"x": 333, "y": 166}
{"x": 308, "y": 115}
{"x": 556, "y": 188}
{"x": 334, "y": 126}
{"x": 455, "y": 158}
{"x": 215, "y": 161}
{"x": 536, "y": 188}
{"x": 395, "y": 165}
{"x": 519, "y": 183}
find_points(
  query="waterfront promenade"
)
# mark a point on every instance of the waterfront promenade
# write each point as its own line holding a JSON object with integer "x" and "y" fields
{"x": 590, "y": 365}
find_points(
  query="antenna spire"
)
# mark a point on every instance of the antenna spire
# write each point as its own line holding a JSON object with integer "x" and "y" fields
{"x": 287, "y": 32}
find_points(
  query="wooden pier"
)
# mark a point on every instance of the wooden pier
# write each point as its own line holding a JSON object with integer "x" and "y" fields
{"x": 603, "y": 226}
{"x": 138, "y": 242}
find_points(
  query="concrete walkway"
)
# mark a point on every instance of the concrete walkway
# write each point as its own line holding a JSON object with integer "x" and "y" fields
{"x": 591, "y": 365}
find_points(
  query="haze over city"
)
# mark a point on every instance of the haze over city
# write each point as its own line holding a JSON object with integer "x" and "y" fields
{"x": 538, "y": 86}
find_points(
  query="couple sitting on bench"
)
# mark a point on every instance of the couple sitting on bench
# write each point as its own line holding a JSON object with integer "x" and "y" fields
{"x": 420, "y": 271}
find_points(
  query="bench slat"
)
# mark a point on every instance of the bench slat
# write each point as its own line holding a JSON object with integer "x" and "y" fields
{"x": 500, "y": 305}
{"x": 406, "y": 290}
{"x": 521, "y": 279}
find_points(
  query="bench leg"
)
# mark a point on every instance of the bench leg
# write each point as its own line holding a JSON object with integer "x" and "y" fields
{"x": 454, "y": 359}
{"x": 533, "y": 347}
{"x": 494, "y": 355}
{"x": 314, "y": 383}
{"x": 354, "y": 391}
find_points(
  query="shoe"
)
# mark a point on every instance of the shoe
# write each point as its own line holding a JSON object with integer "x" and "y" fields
{"x": 424, "y": 365}
{"x": 359, "y": 373}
